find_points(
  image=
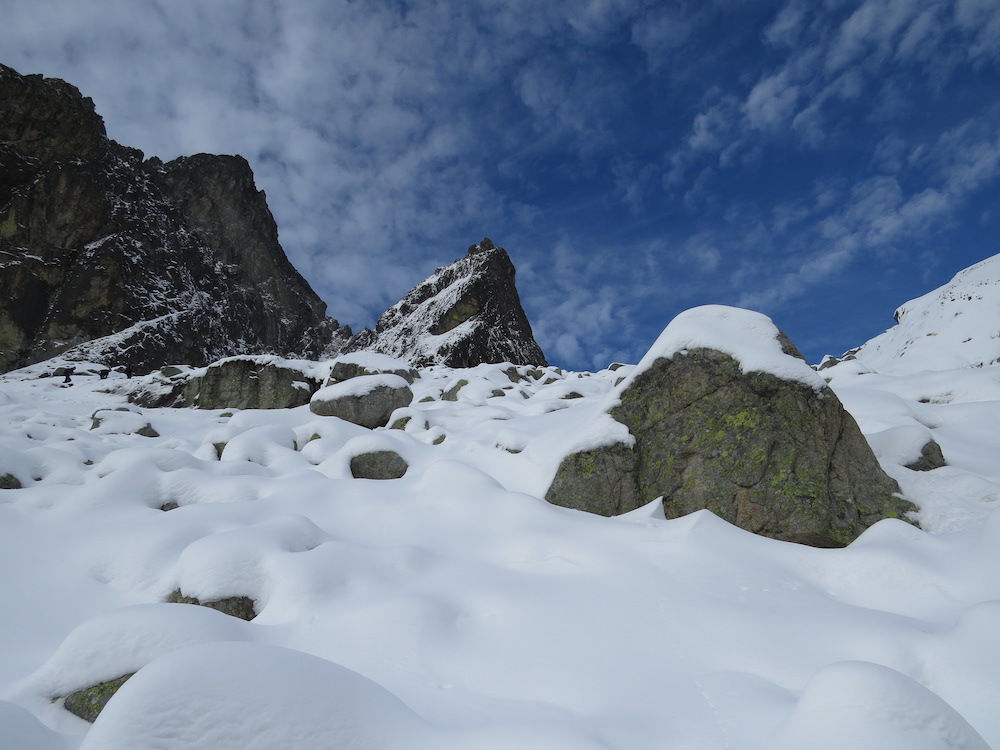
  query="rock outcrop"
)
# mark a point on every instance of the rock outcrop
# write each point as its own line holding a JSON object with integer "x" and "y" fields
{"x": 116, "y": 259}
{"x": 249, "y": 383}
{"x": 465, "y": 314}
{"x": 726, "y": 416}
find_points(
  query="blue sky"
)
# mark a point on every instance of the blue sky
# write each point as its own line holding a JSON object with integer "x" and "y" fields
{"x": 818, "y": 161}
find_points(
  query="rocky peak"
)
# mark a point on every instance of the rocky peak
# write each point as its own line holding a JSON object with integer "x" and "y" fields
{"x": 464, "y": 314}
{"x": 123, "y": 261}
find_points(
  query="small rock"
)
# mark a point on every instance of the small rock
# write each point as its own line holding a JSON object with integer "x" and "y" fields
{"x": 89, "y": 702}
{"x": 234, "y": 606}
{"x": 378, "y": 465}
{"x": 931, "y": 458}
{"x": 9, "y": 482}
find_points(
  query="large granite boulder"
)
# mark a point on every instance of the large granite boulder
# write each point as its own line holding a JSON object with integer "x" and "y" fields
{"x": 463, "y": 315}
{"x": 366, "y": 400}
{"x": 250, "y": 383}
{"x": 726, "y": 416}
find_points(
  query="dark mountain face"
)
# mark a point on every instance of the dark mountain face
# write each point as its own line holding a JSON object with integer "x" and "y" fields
{"x": 465, "y": 314}
{"x": 135, "y": 262}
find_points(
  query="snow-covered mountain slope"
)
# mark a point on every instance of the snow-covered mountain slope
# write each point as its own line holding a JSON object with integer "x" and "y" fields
{"x": 464, "y": 314}
{"x": 954, "y": 326}
{"x": 453, "y": 607}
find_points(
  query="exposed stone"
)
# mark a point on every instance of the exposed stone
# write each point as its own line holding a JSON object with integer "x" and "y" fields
{"x": 378, "y": 465}
{"x": 249, "y": 383}
{"x": 89, "y": 702}
{"x": 9, "y": 482}
{"x": 931, "y": 458}
{"x": 601, "y": 481}
{"x": 368, "y": 400}
{"x": 400, "y": 424}
{"x": 465, "y": 314}
{"x": 773, "y": 456}
{"x": 234, "y": 606}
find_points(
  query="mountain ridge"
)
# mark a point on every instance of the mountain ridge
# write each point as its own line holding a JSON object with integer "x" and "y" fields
{"x": 113, "y": 258}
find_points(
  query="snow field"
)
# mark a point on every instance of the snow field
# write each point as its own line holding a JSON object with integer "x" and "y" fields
{"x": 453, "y": 608}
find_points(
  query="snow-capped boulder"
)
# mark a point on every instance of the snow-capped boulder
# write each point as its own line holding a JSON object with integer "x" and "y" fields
{"x": 367, "y": 400}
{"x": 250, "y": 383}
{"x": 727, "y": 416}
{"x": 355, "y": 364}
{"x": 465, "y": 314}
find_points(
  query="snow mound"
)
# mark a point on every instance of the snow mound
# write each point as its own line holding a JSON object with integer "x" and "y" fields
{"x": 252, "y": 697}
{"x": 870, "y": 707}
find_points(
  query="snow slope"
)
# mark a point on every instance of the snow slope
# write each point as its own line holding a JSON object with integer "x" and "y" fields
{"x": 954, "y": 326}
{"x": 453, "y": 608}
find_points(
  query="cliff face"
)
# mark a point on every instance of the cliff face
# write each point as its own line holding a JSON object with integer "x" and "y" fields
{"x": 464, "y": 314}
{"x": 135, "y": 262}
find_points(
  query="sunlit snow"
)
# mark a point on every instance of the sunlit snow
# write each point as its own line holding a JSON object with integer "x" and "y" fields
{"x": 453, "y": 608}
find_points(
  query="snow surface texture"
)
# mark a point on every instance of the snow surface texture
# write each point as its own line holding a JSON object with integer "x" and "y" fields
{"x": 455, "y": 609}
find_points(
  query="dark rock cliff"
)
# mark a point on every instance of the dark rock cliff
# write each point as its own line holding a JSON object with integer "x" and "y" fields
{"x": 465, "y": 314}
{"x": 109, "y": 257}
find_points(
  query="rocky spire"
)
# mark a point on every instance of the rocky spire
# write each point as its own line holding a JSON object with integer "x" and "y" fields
{"x": 464, "y": 314}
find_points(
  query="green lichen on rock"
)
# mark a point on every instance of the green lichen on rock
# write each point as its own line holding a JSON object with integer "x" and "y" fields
{"x": 400, "y": 424}
{"x": 89, "y": 702}
{"x": 460, "y": 312}
{"x": 9, "y": 482}
{"x": 235, "y": 606}
{"x": 452, "y": 393}
{"x": 600, "y": 481}
{"x": 772, "y": 456}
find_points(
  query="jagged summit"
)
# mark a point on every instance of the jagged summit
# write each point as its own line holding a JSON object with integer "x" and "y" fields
{"x": 466, "y": 313}
{"x": 956, "y": 325}
{"x": 116, "y": 259}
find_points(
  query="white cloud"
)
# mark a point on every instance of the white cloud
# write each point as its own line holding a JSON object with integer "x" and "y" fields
{"x": 771, "y": 103}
